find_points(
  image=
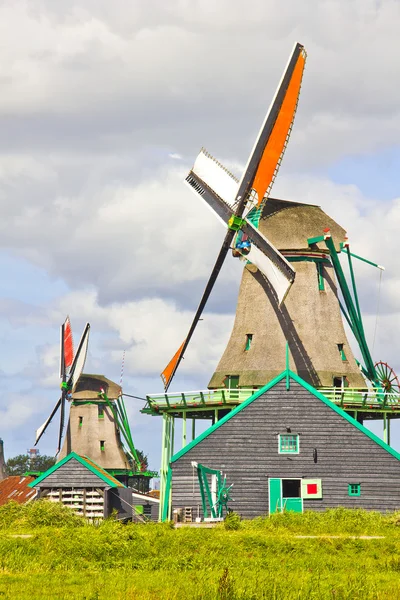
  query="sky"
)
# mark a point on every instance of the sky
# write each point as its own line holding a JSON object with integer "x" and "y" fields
{"x": 103, "y": 109}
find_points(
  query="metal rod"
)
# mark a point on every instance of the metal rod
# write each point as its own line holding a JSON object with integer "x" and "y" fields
{"x": 183, "y": 429}
{"x": 369, "y": 262}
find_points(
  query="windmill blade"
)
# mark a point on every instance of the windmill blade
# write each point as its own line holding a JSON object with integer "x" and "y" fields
{"x": 222, "y": 210}
{"x": 268, "y": 150}
{"x": 42, "y": 428}
{"x": 277, "y": 279}
{"x": 62, "y": 419}
{"x": 80, "y": 358}
{"x": 68, "y": 344}
{"x": 269, "y": 250}
{"x": 169, "y": 372}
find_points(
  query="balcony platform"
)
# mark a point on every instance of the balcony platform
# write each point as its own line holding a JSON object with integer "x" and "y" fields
{"x": 199, "y": 404}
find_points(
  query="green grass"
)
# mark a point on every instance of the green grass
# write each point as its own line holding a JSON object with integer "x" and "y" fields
{"x": 260, "y": 559}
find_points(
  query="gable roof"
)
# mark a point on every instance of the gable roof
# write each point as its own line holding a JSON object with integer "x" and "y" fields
{"x": 16, "y": 488}
{"x": 291, "y": 375}
{"x": 86, "y": 462}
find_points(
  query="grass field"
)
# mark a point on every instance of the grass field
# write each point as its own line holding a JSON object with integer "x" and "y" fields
{"x": 262, "y": 559}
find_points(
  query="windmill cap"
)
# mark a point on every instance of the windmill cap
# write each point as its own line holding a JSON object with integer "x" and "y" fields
{"x": 89, "y": 386}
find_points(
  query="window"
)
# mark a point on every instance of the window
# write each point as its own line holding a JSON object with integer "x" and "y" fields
{"x": 102, "y": 445}
{"x": 288, "y": 444}
{"x": 291, "y": 488}
{"x": 341, "y": 352}
{"x": 354, "y": 489}
{"x": 340, "y": 382}
{"x": 249, "y": 339}
{"x": 100, "y": 411}
{"x": 80, "y": 421}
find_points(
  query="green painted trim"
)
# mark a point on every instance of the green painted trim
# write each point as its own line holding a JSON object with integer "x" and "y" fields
{"x": 344, "y": 414}
{"x": 164, "y": 516}
{"x": 83, "y": 462}
{"x": 267, "y": 387}
{"x": 226, "y": 418}
{"x": 315, "y": 259}
{"x": 321, "y": 280}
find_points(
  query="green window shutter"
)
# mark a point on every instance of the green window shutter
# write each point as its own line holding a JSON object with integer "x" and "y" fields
{"x": 100, "y": 411}
{"x": 341, "y": 351}
{"x": 321, "y": 280}
{"x": 249, "y": 339}
{"x": 354, "y": 489}
{"x": 288, "y": 444}
{"x": 80, "y": 421}
{"x": 102, "y": 445}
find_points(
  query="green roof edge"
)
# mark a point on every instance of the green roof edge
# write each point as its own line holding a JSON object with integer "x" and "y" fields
{"x": 267, "y": 387}
{"x": 79, "y": 459}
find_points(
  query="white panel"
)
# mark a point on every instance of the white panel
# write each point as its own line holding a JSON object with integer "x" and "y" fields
{"x": 274, "y": 275}
{"x": 216, "y": 177}
{"x": 80, "y": 360}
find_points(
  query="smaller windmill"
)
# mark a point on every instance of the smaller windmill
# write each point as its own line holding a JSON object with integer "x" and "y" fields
{"x": 98, "y": 425}
{"x": 71, "y": 367}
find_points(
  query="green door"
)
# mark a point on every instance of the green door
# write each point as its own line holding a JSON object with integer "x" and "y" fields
{"x": 275, "y": 496}
{"x": 285, "y": 495}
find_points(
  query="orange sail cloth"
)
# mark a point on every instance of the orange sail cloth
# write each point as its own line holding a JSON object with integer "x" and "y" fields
{"x": 275, "y": 146}
{"x": 169, "y": 370}
{"x": 68, "y": 344}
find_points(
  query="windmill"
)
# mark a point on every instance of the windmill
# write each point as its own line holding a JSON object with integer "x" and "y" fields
{"x": 279, "y": 241}
{"x": 98, "y": 425}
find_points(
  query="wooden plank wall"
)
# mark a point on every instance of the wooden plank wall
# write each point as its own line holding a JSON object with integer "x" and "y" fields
{"x": 72, "y": 474}
{"x": 246, "y": 449}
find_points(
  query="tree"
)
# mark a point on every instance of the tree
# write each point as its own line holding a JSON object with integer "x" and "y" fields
{"x": 144, "y": 461}
{"x": 18, "y": 465}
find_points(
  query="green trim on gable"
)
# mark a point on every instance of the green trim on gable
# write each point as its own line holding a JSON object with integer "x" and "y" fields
{"x": 109, "y": 480}
{"x": 226, "y": 418}
{"x": 267, "y": 387}
{"x": 344, "y": 414}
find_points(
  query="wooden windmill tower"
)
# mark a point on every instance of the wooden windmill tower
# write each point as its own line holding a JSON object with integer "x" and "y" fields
{"x": 289, "y": 290}
{"x": 98, "y": 426}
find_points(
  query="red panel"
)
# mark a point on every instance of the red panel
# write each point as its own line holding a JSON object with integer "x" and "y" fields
{"x": 312, "y": 488}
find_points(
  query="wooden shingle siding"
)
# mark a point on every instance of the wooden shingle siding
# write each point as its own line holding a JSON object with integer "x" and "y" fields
{"x": 246, "y": 448}
{"x": 72, "y": 474}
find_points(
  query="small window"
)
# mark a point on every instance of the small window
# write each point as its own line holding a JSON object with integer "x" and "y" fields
{"x": 341, "y": 352}
{"x": 102, "y": 445}
{"x": 80, "y": 421}
{"x": 340, "y": 382}
{"x": 354, "y": 489}
{"x": 249, "y": 339}
{"x": 288, "y": 444}
{"x": 100, "y": 411}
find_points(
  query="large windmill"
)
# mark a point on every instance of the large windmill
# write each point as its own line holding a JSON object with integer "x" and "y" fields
{"x": 280, "y": 241}
{"x": 98, "y": 425}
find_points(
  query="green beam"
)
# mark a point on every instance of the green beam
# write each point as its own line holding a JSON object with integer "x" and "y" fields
{"x": 353, "y": 283}
{"x": 352, "y": 311}
{"x": 369, "y": 262}
{"x": 315, "y": 240}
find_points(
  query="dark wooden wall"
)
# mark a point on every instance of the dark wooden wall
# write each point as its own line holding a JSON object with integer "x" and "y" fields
{"x": 246, "y": 449}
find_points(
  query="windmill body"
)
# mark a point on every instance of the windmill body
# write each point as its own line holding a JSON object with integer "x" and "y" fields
{"x": 92, "y": 430}
{"x": 309, "y": 320}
